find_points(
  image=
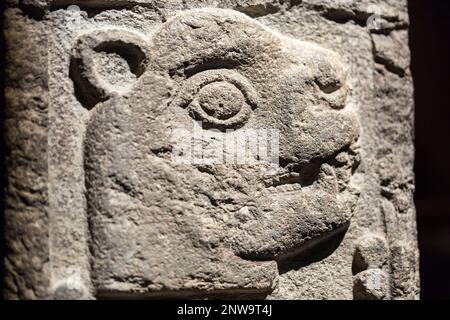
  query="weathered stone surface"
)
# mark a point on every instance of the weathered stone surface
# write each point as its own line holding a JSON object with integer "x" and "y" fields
{"x": 26, "y": 121}
{"x": 108, "y": 210}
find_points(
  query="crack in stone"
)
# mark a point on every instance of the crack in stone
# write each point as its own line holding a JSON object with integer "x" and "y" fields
{"x": 387, "y": 63}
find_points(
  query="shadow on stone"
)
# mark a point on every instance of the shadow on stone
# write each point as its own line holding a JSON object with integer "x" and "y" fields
{"x": 315, "y": 251}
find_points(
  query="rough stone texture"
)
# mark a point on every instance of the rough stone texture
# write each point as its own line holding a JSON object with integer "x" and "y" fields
{"x": 97, "y": 206}
{"x": 26, "y": 123}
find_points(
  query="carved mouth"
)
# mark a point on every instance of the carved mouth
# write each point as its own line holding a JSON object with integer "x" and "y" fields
{"x": 294, "y": 176}
{"x": 312, "y": 200}
{"x": 306, "y": 251}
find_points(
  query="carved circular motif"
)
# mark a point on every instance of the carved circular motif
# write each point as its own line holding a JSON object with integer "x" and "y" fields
{"x": 220, "y": 99}
{"x": 112, "y": 52}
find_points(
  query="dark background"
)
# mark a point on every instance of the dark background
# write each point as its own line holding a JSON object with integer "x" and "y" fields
{"x": 2, "y": 151}
{"x": 430, "y": 66}
{"x": 430, "y": 50}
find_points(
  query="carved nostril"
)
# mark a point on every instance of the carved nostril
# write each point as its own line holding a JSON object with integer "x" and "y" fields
{"x": 332, "y": 89}
{"x": 330, "y": 78}
{"x": 328, "y": 84}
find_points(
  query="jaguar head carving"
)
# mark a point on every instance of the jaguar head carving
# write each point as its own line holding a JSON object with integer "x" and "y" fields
{"x": 160, "y": 226}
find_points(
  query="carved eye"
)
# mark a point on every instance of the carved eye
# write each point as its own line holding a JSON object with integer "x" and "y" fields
{"x": 221, "y": 99}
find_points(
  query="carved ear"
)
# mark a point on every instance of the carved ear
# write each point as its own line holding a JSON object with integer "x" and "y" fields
{"x": 203, "y": 39}
{"x": 106, "y": 63}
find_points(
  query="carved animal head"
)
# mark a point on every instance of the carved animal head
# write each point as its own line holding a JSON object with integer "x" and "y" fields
{"x": 160, "y": 225}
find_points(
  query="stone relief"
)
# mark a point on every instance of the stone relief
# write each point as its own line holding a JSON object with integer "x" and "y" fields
{"x": 205, "y": 149}
{"x": 159, "y": 227}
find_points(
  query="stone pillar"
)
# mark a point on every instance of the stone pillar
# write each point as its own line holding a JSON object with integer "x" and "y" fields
{"x": 241, "y": 148}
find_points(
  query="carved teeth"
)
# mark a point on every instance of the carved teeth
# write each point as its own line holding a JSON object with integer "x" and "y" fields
{"x": 286, "y": 183}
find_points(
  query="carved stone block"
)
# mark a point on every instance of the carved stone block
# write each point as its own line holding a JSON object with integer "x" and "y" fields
{"x": 189, "y": 149}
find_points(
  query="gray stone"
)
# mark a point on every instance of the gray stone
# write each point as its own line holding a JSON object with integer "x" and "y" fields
{"x": 371, "y": 251}
{"x": 372, "y": 284}
{"x": 303, "y": 115}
